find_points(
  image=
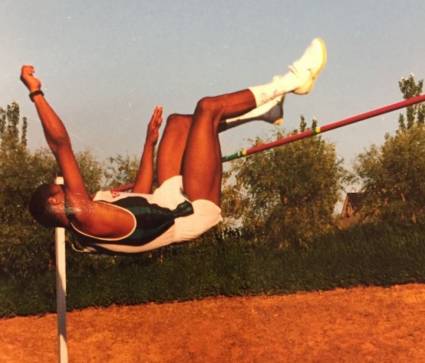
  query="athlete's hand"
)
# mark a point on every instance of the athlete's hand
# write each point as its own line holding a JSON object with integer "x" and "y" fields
{"x": 27, "y": 77}
{"x": 154, "y": 125}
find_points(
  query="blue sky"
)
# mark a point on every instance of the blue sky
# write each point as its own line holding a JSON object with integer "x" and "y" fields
{"x": 105, "y": 64}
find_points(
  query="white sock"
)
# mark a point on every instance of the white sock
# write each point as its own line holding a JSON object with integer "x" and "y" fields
{"x": 279, "y": 86}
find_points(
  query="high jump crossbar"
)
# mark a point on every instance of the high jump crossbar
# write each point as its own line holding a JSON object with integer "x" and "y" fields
{"x": 61, "y": 288}
{"x": 319, "y": 130}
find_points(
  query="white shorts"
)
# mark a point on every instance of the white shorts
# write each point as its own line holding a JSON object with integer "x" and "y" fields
{"x": 206, "y": 215}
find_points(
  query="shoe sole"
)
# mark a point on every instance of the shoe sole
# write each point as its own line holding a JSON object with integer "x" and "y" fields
{"x": 279, "y": 121}
{"x": 303, "y": 90}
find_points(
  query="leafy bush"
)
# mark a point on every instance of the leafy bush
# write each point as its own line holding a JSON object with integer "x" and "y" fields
{"x": 226, "y": 263}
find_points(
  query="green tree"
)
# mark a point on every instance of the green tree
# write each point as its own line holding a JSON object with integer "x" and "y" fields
{"x": 415, "y": 115}
{"x": 287, "y": 195}
{"x": 120, "y": 170}
{"x": 17, "y": 176}
{"x": 14, "y": 161}
{"x": 393, "y": 174}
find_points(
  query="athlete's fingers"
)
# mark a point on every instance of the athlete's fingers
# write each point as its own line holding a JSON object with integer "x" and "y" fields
{"x": 27, "y": 69}
{"x": 159, "y": 116}
{"x": 156, "y": 118}
{"x": 158, "y": 111}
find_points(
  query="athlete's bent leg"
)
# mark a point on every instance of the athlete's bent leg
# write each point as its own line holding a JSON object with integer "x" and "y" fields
{"x": 172, "y": 146}
{"x": 202, "y": 168}
{"x": 202, "y": 156}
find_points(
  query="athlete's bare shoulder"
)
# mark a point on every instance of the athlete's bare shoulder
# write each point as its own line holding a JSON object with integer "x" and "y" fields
{"x": 103, "y": 219}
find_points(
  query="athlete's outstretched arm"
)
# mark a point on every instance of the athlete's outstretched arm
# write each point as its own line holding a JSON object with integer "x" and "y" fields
{"x": 56, "y": 135}
{"x": 144, "y": 178}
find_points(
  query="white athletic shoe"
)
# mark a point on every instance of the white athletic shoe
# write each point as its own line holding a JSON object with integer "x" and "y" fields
{"x": 309, "y": 66}
{"x": 271, "y": 112}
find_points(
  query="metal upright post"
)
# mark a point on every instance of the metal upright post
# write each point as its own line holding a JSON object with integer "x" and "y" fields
{"x": 61, "y": 289}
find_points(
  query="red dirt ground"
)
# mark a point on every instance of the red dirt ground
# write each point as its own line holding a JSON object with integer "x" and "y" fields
{"x": 355, "y": 325}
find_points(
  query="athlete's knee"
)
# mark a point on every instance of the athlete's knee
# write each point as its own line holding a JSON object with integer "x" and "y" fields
{"x": 178, "y": 122}
{"x": 212, "y": 105}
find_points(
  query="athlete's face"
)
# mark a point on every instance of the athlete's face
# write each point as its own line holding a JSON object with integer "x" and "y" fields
{"x": 57, "y": 199}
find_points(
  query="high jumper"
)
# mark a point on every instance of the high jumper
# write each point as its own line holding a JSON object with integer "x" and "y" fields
{"x": 189, "y": 169}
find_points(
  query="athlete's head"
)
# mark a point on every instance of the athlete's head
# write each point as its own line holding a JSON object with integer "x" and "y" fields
{"x": 47, "y": 205}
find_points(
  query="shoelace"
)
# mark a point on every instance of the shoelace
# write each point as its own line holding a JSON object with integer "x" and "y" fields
{"x": 293, "y": 68}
